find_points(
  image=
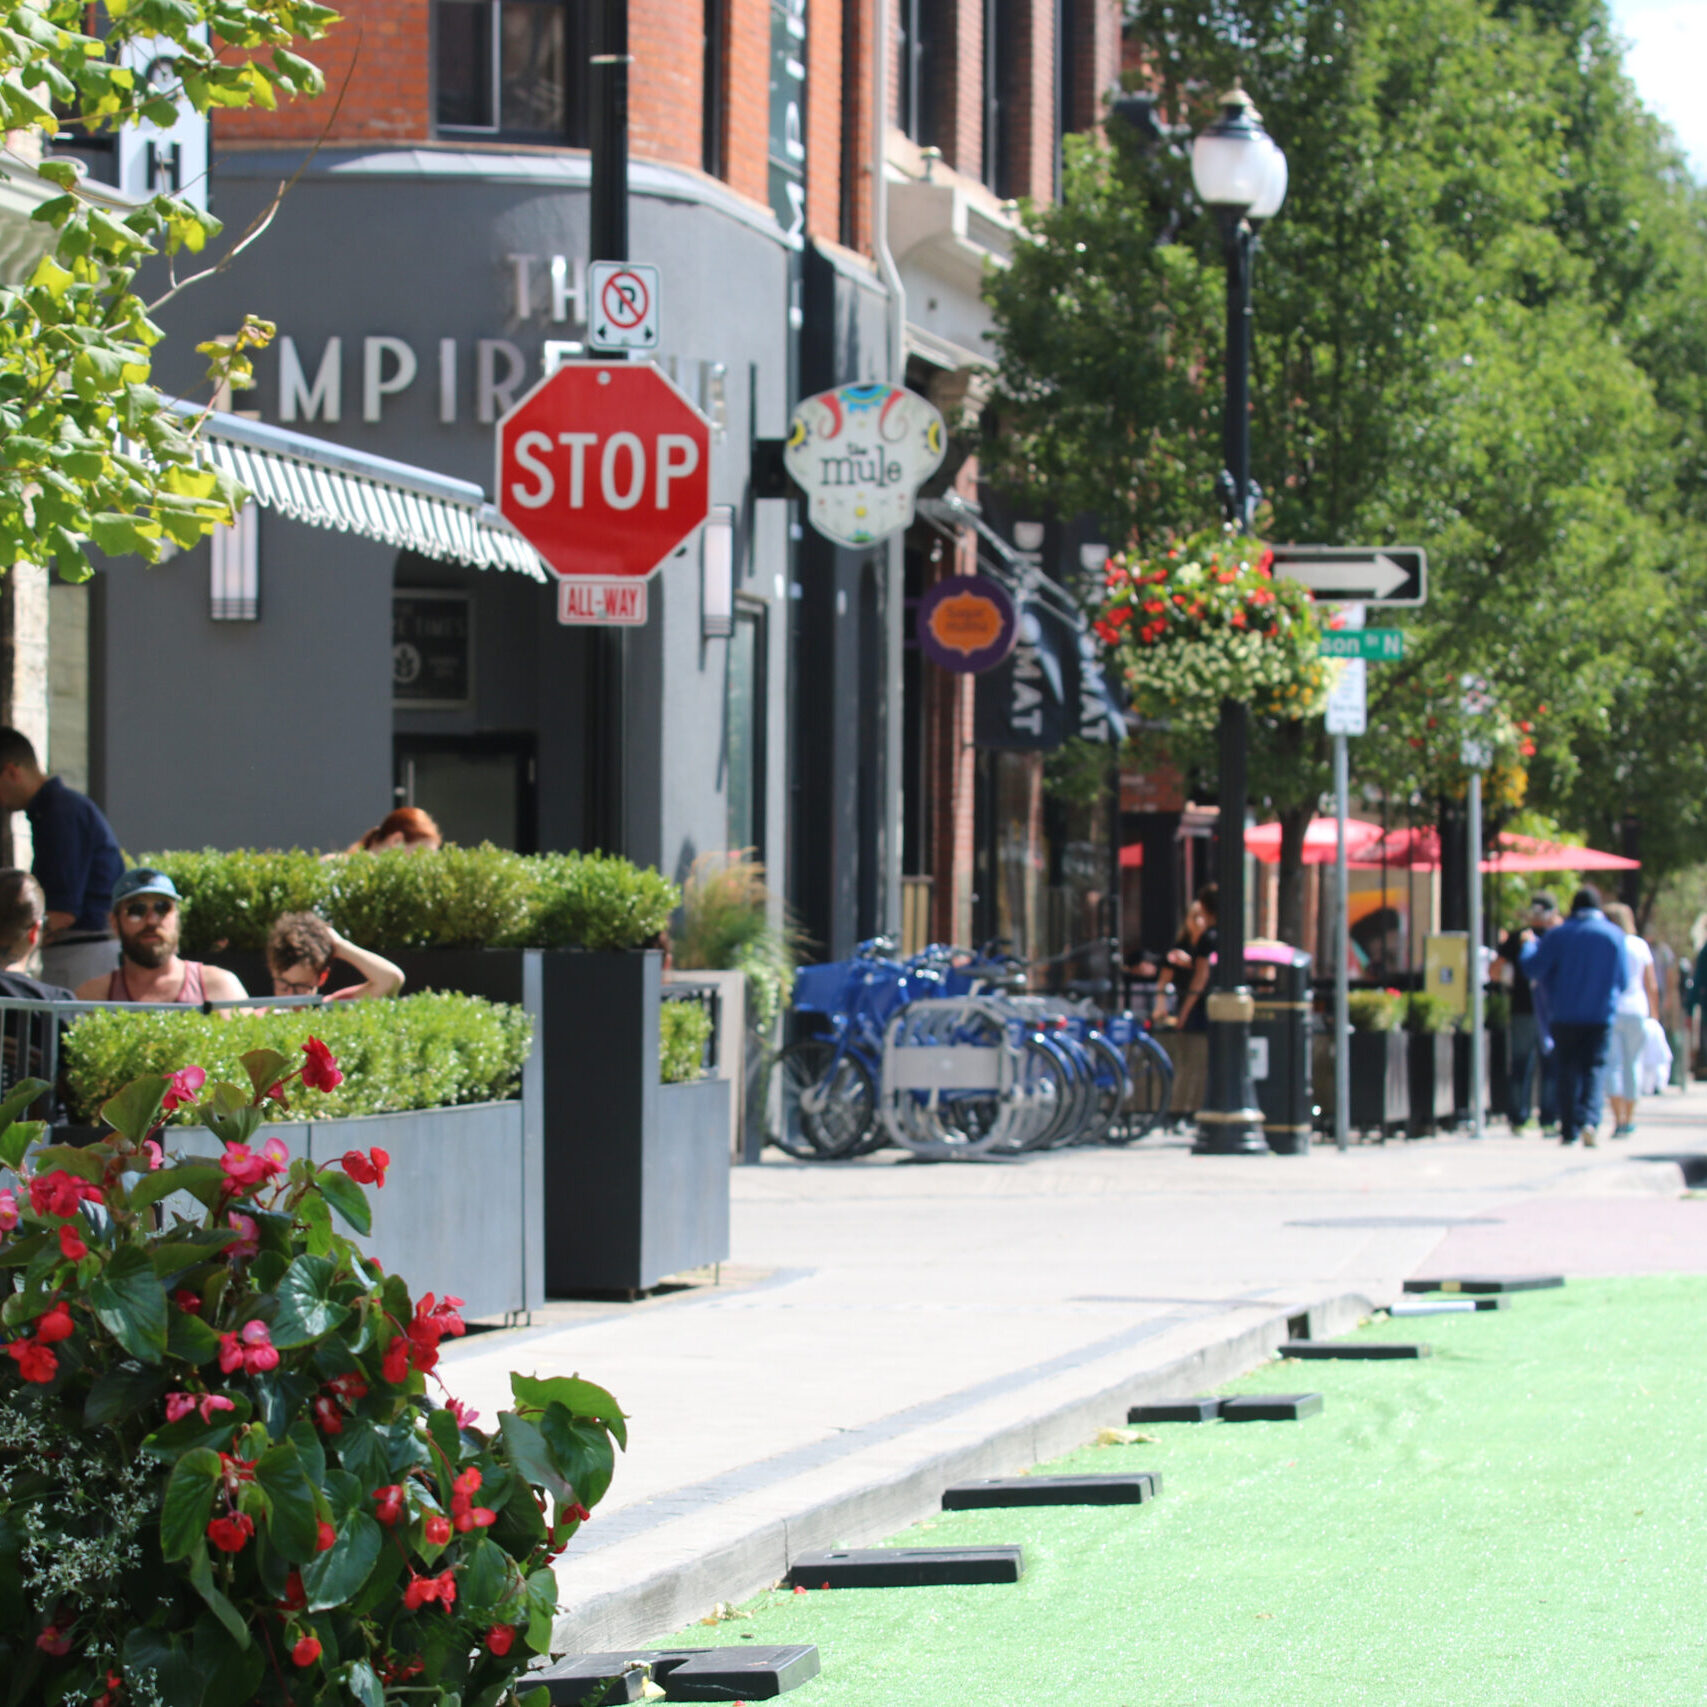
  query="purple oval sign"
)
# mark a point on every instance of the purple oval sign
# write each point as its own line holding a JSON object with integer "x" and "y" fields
{"x": 967, "y": 624}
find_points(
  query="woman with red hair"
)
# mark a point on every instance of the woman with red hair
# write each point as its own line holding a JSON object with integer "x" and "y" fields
{"x": 408, "y": 827}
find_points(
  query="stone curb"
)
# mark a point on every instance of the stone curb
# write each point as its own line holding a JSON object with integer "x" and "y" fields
{"x": 676, "y": 1595}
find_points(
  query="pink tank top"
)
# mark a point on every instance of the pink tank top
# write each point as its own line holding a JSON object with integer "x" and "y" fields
{"x": 190, "y": 991}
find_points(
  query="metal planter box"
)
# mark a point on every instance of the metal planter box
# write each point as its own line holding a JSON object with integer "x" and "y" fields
{"x": 1380, "y": 1081}
{"x": 1431, "y": 1081}
{"x": 635, "y": 1173}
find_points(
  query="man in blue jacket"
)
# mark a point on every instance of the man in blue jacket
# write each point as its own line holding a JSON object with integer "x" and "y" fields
{"x": 1580, "y": 968}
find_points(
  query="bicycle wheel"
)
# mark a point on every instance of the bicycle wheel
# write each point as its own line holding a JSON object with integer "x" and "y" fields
{"x": 828, "y": 1101}
{"x": 1151, "y": 1071}
{"x": 1111, "y": 1085}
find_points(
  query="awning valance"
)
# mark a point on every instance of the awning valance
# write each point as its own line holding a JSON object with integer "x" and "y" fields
{"x": 325, "y": 485}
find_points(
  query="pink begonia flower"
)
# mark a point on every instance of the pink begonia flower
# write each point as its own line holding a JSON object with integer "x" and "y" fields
{"x": 183, "y": 1087}
{"x": 243, "y": 1167}
{"x": 156, "y": 1156}
{"x": 465, "y": 1418}
{"x": 8, "y": 1210}
{"x": 180, "y": 1405}
{"x": 248, "y": 1240}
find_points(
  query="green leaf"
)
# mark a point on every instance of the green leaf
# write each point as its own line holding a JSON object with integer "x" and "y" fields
{"x": 532, "y": 1458}
{"x": 202, "y": 1180}
{"x": 23, "y": 1094}
{"x": 188, "y": 1502}
{"x": 484, "y": 1573}
{"x": 364, "y": 1685}
{"x": 580, "y": 1398}
{"x": 135, "y": 1111}
{"x": 583, "y": 1451}
{"x": 306, "y": 1308}
{"x": 293, "y": 1524}
{"x": 193, "y": 1246}
{"x": 201, "y": 1577}
{"x": 231, "y": 1669}
{"x": 190, "y": 1339}
{"x": 346, "y": 1197}
{"x": 130, "y": 1303}
{"x": 87, "y": 1164}
{"x": 158, "y": 1666}
{"x": 542, "y": 1610}
{"x": 123, "y": 1389}
{"x": 309, "y": 1448}
{"x": 264, "y": 1067}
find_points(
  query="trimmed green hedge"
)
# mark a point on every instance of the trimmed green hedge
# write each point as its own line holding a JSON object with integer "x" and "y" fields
{"x": 684, "y": 1029}
{"x": 452, "y": 898}
{"x": 426, "y": 1051}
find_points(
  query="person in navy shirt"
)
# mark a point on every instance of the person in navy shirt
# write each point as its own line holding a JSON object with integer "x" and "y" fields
{"x": 77, "y": 861}
{"x": 1580, "y": 967}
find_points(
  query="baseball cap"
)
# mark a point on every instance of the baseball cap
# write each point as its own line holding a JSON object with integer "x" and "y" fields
{"x": 144, "y": 880}
{"x": 1542, "y": 902}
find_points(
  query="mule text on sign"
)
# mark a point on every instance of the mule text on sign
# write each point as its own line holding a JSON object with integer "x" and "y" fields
{"x": 604, "y": 468}
{"x": 623, "y": 311}
{"x": 601, "y": 604}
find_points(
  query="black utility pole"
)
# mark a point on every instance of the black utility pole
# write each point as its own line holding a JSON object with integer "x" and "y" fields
{"x": 1230, "y": 1122}
{"x": 607, "y": 221}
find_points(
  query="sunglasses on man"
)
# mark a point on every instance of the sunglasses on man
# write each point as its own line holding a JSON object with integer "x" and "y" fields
{"x": 134, "y": 910}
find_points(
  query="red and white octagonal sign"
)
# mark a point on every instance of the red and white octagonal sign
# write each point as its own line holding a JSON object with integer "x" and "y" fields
{"x": 604, "y": 468}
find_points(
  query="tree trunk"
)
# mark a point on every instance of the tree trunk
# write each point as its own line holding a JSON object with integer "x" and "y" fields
{"x": 1289, "y": 925}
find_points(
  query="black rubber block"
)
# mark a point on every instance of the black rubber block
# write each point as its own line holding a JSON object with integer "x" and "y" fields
{"x": 735, "y": 1673}
{"x": 907, "y": 1567}
{"x": 1271, "y": 1407}
{"x": 1198, "y": 1410}
{"x": 1377, "y": 1350}
{"x": 1488, "y": 1283}
{"x": 1052, "y": 1490}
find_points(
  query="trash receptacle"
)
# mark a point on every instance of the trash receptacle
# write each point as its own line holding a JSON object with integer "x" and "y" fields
{"x": 1279, "y": 977}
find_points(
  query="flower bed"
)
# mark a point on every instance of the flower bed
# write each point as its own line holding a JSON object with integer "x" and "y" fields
{"x": 225, "y": 1477}
{"x": 426, "y": 1051}
{"x": 445, "y": 898}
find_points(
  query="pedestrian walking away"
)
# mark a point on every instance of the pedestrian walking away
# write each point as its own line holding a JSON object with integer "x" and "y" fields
{"x": 1579, "y": 968}
{"x": 76, "y": 860}
{"x": 1638, "y": 1002}
{"x": 23, "y": 922}
{"x": 147, "y": 922}
{"x": 1529, "y": 1063}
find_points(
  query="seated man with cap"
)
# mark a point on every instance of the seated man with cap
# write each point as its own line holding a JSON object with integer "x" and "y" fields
{"x": 145, "y": 920}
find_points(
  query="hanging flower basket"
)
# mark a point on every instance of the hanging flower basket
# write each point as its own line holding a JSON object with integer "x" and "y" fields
{"x": 1205, "y": 620}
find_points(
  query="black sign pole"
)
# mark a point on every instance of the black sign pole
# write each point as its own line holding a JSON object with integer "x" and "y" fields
{"x": 607, "y": 219}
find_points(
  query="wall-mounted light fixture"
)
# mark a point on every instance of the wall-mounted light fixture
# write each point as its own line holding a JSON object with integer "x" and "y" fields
{"x": 234, "y": 578}
{"x": 717, "y": 574}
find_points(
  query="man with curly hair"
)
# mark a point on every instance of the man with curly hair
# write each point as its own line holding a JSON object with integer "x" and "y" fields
{"x": 300, "y": 950}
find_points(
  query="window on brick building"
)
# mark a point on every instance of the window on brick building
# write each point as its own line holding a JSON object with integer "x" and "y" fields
{"x": 713, "y": 106}
{"x": 513, "y": 68}
{"x": 923, "y": 28}
{"x": 1000, "y": 39}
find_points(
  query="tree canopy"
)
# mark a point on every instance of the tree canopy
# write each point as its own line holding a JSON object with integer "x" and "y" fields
{"x": 1478, "y": 327}
{"x": 90, "y": 453}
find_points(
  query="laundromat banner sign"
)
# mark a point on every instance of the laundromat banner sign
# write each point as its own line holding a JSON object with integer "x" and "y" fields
{"x": 860, "y": 453}
{"x": 967, "y": 624}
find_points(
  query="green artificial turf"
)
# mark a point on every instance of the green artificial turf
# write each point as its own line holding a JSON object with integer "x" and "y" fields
{"x": 1521, "y": 1518}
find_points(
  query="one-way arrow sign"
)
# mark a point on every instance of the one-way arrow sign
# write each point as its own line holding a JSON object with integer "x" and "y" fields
{"x": 1357, "y": 574}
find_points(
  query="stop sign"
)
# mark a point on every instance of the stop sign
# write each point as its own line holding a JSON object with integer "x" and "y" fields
{"x": 604, "y": 468}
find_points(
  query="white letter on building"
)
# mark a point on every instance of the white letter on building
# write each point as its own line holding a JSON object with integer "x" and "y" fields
{"x": 529, "y": 448}
{"x": 564, "y": 292}
{"x": 324, "y": 399}
{"x": 374, "y": 383}
{"x": 447, "y": 380}
{"x": 496, "y": 395}
{"x": 669, "y": 468}
{"x": 522, "y": 267}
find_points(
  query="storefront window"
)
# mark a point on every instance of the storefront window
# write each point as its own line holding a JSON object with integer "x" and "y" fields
{"x": 512, "y": 68}
{"x": 746, "y": 722}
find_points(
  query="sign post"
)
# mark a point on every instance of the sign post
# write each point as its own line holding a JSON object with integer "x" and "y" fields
{"x": 1348, "y": 719}
{"x": 1475, "y": 754}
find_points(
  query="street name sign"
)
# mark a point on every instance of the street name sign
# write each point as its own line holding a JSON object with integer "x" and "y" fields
{"x": 1378, "y": 645}
{"x": 1348, "y": 704}
{"x": 604, "y": 468}
{"x": 601, "y": 604}
{"x": 1357, "y": 574}
{"x": 622, "y": 306}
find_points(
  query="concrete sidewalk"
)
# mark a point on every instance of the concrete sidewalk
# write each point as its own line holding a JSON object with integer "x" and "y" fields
{"x": 892, "y": 1326}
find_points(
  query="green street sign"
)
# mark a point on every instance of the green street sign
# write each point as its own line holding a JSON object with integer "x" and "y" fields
{"x": 1383, "y": 645}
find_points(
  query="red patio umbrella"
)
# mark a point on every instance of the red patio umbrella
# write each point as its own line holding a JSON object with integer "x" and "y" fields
{"x": 1320, "y": 838}
{"x": 1419, "y": 850}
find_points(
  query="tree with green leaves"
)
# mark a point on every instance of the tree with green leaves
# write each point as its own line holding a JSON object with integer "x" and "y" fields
{"x": 90, "y": 452}
{"x": 1458, "y": 342}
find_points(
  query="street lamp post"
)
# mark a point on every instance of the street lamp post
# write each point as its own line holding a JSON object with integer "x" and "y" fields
{"x": 1241, "y": 174}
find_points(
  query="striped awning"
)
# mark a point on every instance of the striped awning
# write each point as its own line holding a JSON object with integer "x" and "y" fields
{"x": 325, "y": 485}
